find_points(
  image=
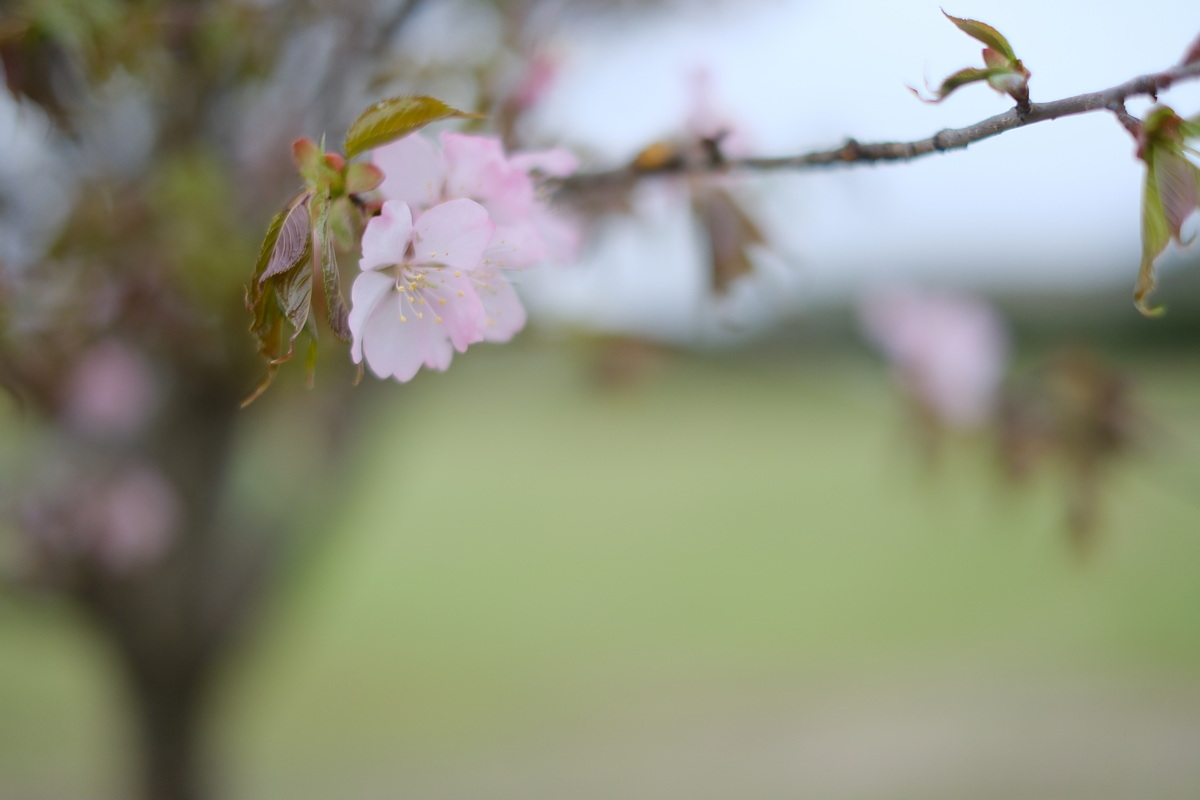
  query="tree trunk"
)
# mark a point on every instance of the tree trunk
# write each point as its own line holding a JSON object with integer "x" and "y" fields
{"x": 170, "y": 709}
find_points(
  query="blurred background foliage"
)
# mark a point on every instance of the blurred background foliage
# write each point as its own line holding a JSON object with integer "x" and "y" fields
{"x": 581, "y": 565}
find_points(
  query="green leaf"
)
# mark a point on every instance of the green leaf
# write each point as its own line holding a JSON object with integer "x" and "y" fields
{"x": 1177, "y": 187}
{"x": 268, "y": 329}
{"x": 1171, "y": 194}
{"x": 1156, "y": 233}
{"x": 390, "y": 119}
{"x": 1191, "y": 127}
{"x": 955, "y": 81}
{"x": 993, "y": 59}
{"x": 985, "y": 33}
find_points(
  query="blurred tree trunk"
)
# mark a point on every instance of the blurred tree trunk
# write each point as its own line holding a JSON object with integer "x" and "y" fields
{"x": 169, "y": 706}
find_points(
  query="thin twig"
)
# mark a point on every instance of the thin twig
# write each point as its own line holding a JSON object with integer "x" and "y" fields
{"x": 854, "y": 152}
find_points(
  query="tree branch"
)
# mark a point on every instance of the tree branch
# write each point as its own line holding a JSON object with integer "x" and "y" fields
{"x": 854, "y": 152}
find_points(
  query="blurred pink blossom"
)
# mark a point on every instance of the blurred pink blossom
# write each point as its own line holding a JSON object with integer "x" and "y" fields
{"x": 540, "y": 73}
{"x": 116, "y": 518}
{"x": 707, "y": 119}
{"x": 111, "y": 391}
{"x": 948, "y": 351}
{"x": 134, "y": 516}
{"x": 426, "y": 290}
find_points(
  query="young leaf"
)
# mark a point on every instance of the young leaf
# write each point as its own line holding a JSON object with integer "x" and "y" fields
{"x": 342, "y": 218}
{"x": 390, "y": 119}
{"x": 294, "y": 293}
{"x": 291, "y": 239}
{"x": 306, "y": 155}
{"x": 955, "y": 81}
{"x": 984, "y": 33}
{"x": 1171, "y": 194}
{"x": 281, "y": 291}
{"x": 1156, "y": 233}
{"x": 1177, "y": 186}
{"x": 267, "y": 248}
{"x": 362, "y": 178}
{"x": 268, "y": 330}
{"x": 1002, "y": 70}
{"x": 323, "y": 249}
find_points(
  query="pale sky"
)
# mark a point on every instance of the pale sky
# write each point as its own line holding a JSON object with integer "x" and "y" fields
{"x": 1053, "y": 205}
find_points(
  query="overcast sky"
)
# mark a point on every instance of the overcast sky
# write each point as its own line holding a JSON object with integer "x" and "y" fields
{"x": 1056, "y": 204}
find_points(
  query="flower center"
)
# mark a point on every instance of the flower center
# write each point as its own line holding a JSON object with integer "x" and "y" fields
{"x": 419, "y": 288}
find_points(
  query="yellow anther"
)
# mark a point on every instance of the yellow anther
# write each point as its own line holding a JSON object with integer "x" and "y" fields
{"x": 438, "y": 320}
{"x": 441, "y": 301}
{"x": 403, "y": 318}
{"x": 457, "y": 274}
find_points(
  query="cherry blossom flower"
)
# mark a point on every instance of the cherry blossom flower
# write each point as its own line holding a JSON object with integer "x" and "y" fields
{"x": 948, "y": 351}
{"x": 425, "y": 291}
{"x": 476, "y": 167}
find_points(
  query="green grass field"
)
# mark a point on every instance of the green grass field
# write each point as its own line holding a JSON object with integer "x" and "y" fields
{"x": 729, "y": 580}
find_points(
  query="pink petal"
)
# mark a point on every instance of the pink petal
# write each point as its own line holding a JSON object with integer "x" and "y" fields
{"x": 384, "y": 338}
{"x": 514, "y": 247}
{"x": 397, "y": 342}
{"x": 453, "y": 234}
{"x": 452, "y": 304}
{"x": 414, "y": 171}
{"x": 511, "y": 199}
{"x": 438, "y": 352}
{"x": 475, "y": 165}
{"x": 369, "y": 289}
{"x": 385, "y": 241}
{"x": 504, "y": 313}
{"x": 425, "y": 345}
{"x": 478, "y": 169}
{"x": 562, "y": 236}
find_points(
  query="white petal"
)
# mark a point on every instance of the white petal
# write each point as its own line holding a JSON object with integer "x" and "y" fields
{"x": 454, "y": 233}
{"x": 414, "y": 171}
{"x": 385, "y": 241}
{"x": 505, "y": 314}
{"x": 369, "y": 289}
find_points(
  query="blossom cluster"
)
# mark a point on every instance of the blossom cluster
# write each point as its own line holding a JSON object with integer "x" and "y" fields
{"x": 452, "y": 222}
